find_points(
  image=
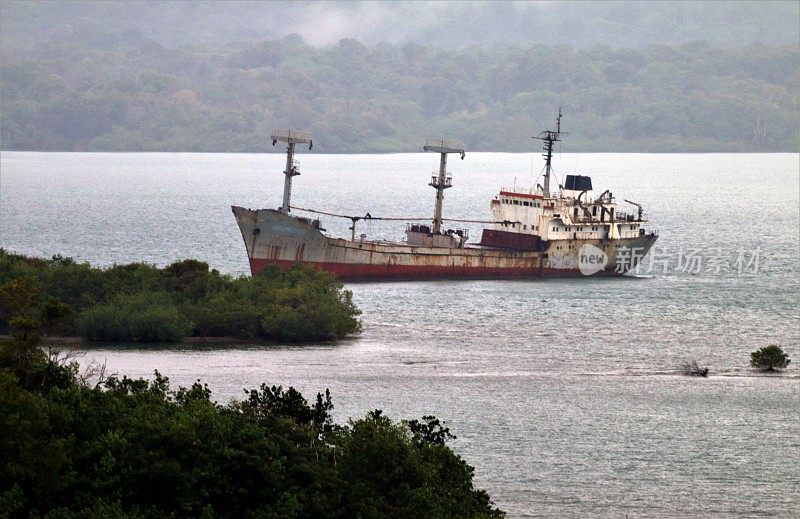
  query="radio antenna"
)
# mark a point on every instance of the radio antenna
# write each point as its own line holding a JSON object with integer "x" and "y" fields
{"x": 550, "y": 137}
{"x": 290, "y": 137}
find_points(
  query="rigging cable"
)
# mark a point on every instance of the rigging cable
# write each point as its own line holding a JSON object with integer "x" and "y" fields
{"x": 365, "y": 217}
{"x": 392, "y": 218}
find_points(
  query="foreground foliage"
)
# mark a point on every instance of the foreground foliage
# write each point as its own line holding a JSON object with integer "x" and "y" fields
{"x": 140, "y": 302}
{"x": 137, "y": 448}
{"x": 769, "y": 358}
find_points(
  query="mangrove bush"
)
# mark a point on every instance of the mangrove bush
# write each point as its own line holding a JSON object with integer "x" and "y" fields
{"x": 140, "y": 302}
{"x": 137, "y": 448}
{"x": 769, "y": 358}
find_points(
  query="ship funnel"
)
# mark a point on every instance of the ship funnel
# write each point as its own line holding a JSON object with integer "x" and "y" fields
{"x": 442, "y": 181}
{"x": 290, "y": 137}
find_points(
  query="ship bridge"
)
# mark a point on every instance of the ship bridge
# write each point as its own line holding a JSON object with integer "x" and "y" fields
{"x": 573, "y": 214}
{"x": 529, "y": 219}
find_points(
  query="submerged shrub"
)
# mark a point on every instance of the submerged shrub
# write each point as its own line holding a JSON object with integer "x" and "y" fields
{"x": 769, "y": 358}
{"x": 693, "y": 369}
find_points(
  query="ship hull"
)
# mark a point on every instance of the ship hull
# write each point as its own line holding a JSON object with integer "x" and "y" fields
{"x": 274, "y": 238}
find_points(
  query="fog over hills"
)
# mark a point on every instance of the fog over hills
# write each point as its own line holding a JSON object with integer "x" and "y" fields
{"x": 444, "y": 24}
{"x": 378, "y": 76}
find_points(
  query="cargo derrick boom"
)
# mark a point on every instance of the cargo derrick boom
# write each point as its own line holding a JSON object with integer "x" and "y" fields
{"x": 290, "y": 137}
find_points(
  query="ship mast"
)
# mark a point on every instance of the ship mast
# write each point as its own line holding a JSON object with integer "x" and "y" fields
{"x": 291, "y": 137}
{"x": 549, "y": 137}
{"x": 442, "y": 181}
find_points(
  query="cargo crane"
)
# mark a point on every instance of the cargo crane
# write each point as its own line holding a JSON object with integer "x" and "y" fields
{"x": 641, "y": 211}
{"x": 442, "y": 181}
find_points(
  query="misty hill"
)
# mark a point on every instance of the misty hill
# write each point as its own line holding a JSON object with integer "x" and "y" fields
{"x": 132, "y": 94}
{"x": 453, "y": 25}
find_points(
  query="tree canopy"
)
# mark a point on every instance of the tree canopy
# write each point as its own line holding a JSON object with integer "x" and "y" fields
{"x": 130, "y": 93}
{"x": 769, "y": 358}
{"x": 133, "y": 448}
{"x": 140, "y": 302}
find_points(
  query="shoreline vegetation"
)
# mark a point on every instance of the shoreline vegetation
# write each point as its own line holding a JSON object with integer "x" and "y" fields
{"x": 87, "y": 445}
{"x": 182, "y": 302}
{"x": 80, "y": 443}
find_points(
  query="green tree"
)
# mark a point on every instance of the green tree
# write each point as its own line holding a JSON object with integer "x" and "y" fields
{"x": 140, "y": 302}
{"x": 383, "y": 98}
{"x": 769, "y": 358}
{"x": 137, "y": 448}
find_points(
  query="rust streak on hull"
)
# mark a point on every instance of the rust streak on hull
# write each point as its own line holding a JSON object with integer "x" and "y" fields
{"x": 281, "y": 239}
{"x": 366, "y": 272}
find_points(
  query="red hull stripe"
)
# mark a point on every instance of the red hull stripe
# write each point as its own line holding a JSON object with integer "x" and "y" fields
{"x": 354, "y": 271}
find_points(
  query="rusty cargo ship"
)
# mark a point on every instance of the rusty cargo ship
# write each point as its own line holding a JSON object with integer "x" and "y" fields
{"x": 533, "y": 233}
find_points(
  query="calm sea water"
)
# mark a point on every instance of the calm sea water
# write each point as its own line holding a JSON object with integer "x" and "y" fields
{"x": 563, "y": 393}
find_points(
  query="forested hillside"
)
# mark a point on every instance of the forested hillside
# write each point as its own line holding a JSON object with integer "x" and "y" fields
{"x": 126, "y": 93}
{"x": 446, "y": 24}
